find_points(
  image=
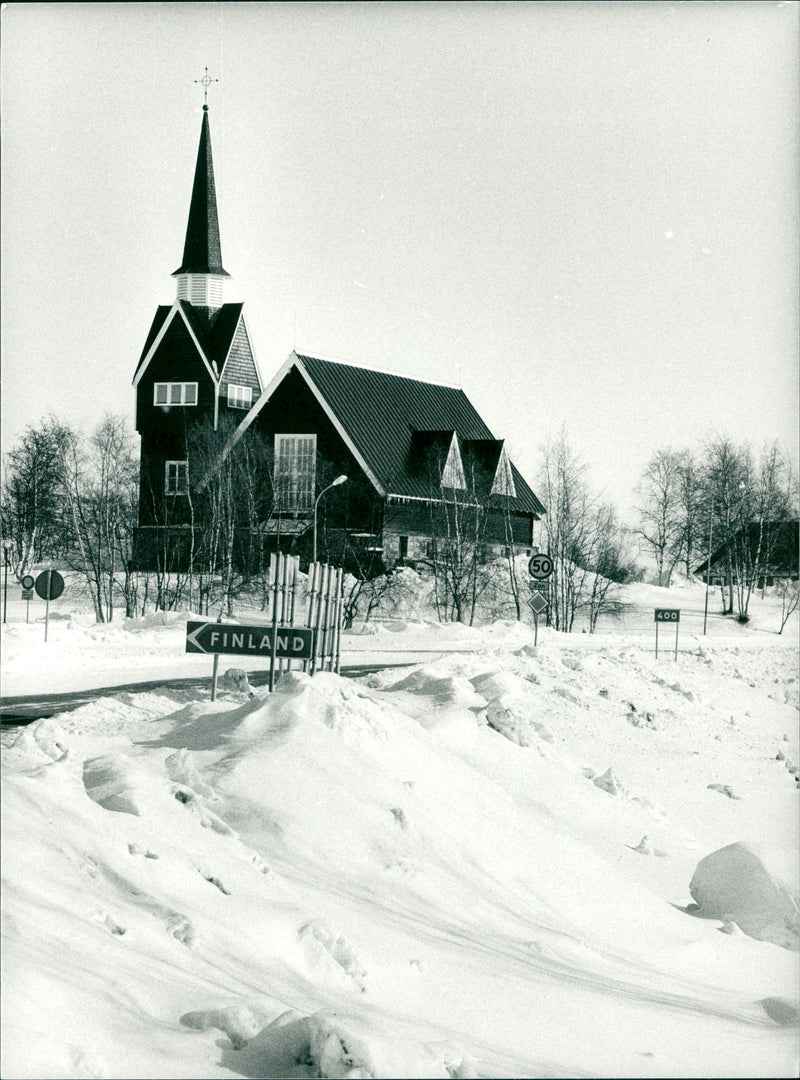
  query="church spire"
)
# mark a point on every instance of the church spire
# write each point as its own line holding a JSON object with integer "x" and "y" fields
{"x": 201, "y": 273}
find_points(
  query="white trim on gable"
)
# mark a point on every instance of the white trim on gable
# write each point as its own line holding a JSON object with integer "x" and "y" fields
{"x": 453, "y": 471}
{"x": 293, "y": 360}
{"x": 503, "y": 483}
{"x": 175, "y": 309}
{"x": 241, "y": 322}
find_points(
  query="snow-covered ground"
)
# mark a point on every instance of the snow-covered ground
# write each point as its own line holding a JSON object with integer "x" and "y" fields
{"x": 500, "y": 860}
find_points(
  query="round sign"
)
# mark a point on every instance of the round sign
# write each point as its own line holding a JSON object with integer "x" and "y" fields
{"x": 540, "y": 566}
{"x": 49, "y": 584}
{"x": 27, "y": 581}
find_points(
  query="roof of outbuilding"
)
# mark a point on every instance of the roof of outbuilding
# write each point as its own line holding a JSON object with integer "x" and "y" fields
{"x": 389, "y": 418}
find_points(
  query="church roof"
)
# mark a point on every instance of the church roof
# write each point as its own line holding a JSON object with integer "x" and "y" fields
{"x": 214, "y": 338}
{"x": 202, "y": 253}
{"x": 389, "y": 419}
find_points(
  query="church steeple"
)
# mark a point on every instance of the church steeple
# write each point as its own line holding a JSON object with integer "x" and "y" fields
{"x": 201, "y": 274}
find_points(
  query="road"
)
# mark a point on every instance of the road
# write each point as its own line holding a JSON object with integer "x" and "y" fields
{"x": 18, "y": 711}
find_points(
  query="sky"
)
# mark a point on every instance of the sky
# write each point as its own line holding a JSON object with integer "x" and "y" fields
{"x": 585, "y": 214}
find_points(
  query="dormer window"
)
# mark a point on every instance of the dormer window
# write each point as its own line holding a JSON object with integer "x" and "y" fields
{"x": 239, "y": 397}
{"x": 175, "y": 393}
{"x": 504, "y": 478}
{"x": 453, "y": 471}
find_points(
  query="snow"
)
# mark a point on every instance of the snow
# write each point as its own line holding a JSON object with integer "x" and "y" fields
{"x": 499, "y": 860}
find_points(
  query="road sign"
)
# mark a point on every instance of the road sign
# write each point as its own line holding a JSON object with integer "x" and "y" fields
{"x": 27, "y": 594}
{"x": 27, "y": 581}
{"x": 537, "y": 603}
{"x": 292, "y": 642}
{"x": 49, "y": 584}
{"x": 540, "y": 566}
{"x": 668, "y": 614}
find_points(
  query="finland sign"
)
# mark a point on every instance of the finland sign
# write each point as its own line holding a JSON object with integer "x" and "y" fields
{"x": 540, "y": 566}
{"x": 291, "y": 642}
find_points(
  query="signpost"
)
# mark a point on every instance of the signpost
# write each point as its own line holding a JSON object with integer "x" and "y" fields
{"x": 27, "y": 583}
{"x": 540, "y": 567}
{"x": 668, "y": 615}
{"x": 276, "y": 642}
{"x": 49, "y": 585}
{"x": 537, "y": 603}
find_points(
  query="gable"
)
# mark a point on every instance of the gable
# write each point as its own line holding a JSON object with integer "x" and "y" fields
{"x": 382, "y": 419}
{"x": 239, "y": 366}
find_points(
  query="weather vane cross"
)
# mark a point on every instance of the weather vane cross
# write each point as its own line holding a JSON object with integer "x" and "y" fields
{"x": 205, "y": 82}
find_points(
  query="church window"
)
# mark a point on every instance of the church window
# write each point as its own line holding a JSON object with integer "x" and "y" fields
{"x": 177, "y": 477}
{"x": 295, "y": 471}
{"x": 175, "y": 393}
{"x": 240, "y": 397}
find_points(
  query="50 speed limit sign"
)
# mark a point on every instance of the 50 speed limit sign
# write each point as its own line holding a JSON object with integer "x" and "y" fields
{"x": 540, "y": 567}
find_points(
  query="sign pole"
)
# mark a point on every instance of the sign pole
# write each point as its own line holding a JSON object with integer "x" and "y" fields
{"x": 656, "y": 641}
{"x": 535, "y": 629}
{"x": 677, "y": 628}
{"x": 215, "y": 669}
{"x": 47, "y": 604}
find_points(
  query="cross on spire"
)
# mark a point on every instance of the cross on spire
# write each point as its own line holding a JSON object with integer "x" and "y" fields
{"x": 205, "y": 82}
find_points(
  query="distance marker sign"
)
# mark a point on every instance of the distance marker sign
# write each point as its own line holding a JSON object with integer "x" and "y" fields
{"x": 666, "y": 614}
{"x": 292, "y": 642}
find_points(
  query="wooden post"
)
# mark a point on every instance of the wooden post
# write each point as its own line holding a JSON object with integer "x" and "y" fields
{"x": 277, "y": 567}
{"x": 326, "y": 619}
{"x": 312, "y": 578}
{"x": 319, "y": 635}
{"x": 338, "y": 625}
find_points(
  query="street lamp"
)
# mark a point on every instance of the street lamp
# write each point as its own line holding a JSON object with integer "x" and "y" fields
{"x": 335, "y": 483}
{"x": 7, "y": 545}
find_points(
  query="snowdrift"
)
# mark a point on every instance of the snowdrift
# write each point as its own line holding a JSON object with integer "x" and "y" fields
{"x": 475, "y": 866}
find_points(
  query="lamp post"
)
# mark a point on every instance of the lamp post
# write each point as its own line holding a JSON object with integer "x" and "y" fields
{"x": 7, "y": 544}
{"x": 335, "y": 483}
{"x": 708, "y": 561}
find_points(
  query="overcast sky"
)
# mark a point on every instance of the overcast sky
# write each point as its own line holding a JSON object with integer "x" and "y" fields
{"x": 586, "y": 214}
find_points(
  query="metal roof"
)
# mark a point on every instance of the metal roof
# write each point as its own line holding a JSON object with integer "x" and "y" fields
{"x": 387, "y": 417}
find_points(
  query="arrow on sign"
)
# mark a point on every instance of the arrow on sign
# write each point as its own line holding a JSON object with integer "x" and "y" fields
{"x": 292, "y": 642}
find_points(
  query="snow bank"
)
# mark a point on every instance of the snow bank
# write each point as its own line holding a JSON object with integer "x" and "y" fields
{"x": 432, "y": 872}
{"x": 756, "y": 889}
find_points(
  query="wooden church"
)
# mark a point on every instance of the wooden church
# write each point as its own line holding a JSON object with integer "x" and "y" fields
{"x": 418, "y": 458}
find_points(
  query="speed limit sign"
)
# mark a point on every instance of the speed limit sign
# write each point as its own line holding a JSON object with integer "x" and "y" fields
{"x": 540, "y": 566}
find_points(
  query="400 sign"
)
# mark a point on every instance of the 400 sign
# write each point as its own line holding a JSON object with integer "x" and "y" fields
{"x": 666, "y": 614}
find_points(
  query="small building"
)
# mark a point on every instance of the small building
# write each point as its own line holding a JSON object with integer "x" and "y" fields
{"x": 770, "y": 548}
{"x": 419, "y": 460}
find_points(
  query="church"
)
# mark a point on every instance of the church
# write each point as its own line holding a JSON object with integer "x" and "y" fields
{"x": 404, "y": 463}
